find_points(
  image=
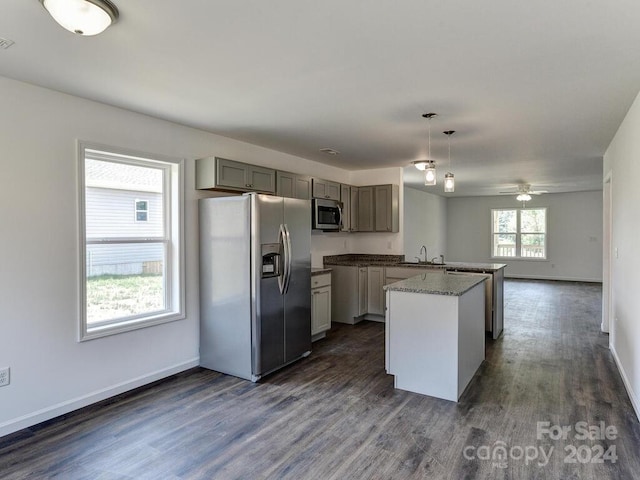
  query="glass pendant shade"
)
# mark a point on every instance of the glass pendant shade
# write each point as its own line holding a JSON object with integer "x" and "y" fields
{"x": 449, "y": 182}
{"x": 430, "y": 174}
{"x": 83, "y": 17}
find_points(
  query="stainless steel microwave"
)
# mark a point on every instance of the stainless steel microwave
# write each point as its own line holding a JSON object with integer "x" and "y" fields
{"x": 327, "y": 214}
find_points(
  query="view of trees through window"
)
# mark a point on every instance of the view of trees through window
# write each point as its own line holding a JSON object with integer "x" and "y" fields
{"x": 519, "y": 233}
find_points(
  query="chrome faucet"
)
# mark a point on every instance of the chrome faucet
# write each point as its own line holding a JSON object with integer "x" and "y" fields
{"x": 433, "y": 260}
{"x": 425, "y": 253}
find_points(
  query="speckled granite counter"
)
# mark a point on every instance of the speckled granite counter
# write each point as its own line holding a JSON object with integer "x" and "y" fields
{"x": 367, "y": 260}
{"x": 319, "y": 271}
{"x": 437, "y": 283}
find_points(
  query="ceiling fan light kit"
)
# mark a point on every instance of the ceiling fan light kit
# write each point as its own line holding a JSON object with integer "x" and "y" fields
{"x": 82, "y": 17}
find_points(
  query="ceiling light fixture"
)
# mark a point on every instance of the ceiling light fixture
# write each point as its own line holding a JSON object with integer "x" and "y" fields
{"x": 428, "y": 165}
{"x": 82, "y": 17}
{"x": 523, "y": 197}
{"x": 449, "y": 180}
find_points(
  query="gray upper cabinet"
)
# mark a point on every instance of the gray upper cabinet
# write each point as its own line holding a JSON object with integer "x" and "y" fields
{"x": 214, "y": 173}
{"x": 349, "y": 199}
{"x": 293, "y": 185}
{"x": 378, "y": 208}
{"x": 386, "y": 208}
{"x": 365, "y": 209}
{"x": 326, "y": 189}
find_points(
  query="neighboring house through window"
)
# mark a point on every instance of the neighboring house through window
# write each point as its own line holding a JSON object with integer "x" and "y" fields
{"x": 142, "y": 210}
{"x": 132, "y": 265}
{"x": 519, "y": 233}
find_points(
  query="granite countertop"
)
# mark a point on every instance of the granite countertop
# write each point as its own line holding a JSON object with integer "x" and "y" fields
{"x": 319, "y": 271}
{"x": 367, "y": 260}
{"x": 437, "y": 283}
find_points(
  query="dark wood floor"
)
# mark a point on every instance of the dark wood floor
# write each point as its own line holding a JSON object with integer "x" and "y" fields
{"x": 335, "y": 415}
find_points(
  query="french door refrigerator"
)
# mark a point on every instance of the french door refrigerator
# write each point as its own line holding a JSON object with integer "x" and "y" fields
{"x": 255, "y": 283}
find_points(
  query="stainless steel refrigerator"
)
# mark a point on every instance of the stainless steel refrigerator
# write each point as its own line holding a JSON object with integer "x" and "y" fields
{"x": 255, "y": 283}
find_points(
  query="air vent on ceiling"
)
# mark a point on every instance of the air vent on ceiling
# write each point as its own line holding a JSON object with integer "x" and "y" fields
{"x": 5, "y": 43}
{"x": 330, "y": 151}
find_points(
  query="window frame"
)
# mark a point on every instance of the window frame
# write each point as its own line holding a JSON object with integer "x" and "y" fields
{"x": 518, "y": 233}
{"x": 173, "y": 239}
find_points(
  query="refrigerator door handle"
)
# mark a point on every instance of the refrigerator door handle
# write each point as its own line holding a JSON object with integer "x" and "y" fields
{"x": 287, "y": 258}
{"x": 282, "y": 278}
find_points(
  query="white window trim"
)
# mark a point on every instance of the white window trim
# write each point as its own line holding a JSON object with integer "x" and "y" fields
{"x": 518, "y": 234}
{"x": 175, "y": 268}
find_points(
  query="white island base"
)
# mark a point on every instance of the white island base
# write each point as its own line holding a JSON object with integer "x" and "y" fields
{"x": 434, "y": 342}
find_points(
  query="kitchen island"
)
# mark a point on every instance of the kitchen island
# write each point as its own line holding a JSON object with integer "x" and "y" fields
{"x": 434, "y": 332}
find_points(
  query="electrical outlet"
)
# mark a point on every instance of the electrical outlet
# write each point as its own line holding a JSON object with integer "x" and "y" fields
{"x": 4, "y": 376}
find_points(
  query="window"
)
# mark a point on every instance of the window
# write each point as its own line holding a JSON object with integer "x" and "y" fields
{"x": 142, "y": 210}
{"x": 519, "y": 233}
{"x": 132, "y": 265}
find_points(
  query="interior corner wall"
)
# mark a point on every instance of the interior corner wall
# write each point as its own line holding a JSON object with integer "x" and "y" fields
{"x": 621, "y": 162}
{"x": 52, "y": 373}
{"x": 425, "y": 223}
{"x": 574, "y": 240}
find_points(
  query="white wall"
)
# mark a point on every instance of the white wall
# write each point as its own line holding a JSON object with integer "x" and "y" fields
{"x": 425, "y": 223}
{"x": 574, "y": 225}
{"x": 51, "y": 373}
{"x": 622, "y": 161}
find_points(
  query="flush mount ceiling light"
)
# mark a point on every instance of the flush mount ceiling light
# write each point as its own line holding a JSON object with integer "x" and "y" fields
{"x": 449, "y": 180}
{"x": 428, "y": 165}
{"x": 82, "y": 17}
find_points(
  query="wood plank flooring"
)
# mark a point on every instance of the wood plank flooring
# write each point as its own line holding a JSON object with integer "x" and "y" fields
{"x": 336, "y": 415}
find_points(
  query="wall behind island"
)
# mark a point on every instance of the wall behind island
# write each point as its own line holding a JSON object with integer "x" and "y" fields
{"x": 574, "y": 224}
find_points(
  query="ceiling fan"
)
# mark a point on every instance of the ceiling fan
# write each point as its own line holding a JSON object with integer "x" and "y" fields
{"x": 524, "y": 192}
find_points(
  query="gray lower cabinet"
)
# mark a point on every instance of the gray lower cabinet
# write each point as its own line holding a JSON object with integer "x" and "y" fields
{"x": 214, "y": 173}
{"x": 325, "y": 189}
{"x": 375, "y": 294}
{"x": 348, "y": 293}
{"x": 293, "y": 185}
{"x": 320, "y": 305}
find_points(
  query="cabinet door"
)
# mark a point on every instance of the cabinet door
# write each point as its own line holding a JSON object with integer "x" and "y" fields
{"x": 231, "y": 174}
{"x": 382, "y": 208}
{"x": 326, "y": 189}
{"x": 345, "y": 198}
{"x": 362, "y": 290}
{"x": 320, "y": 309}
{"x": 386, "y": 208}
{"x": 353, "y": 210}
{"x": 333, "y": 191}
{"x": 365, "y": 209}
{"x": 285, "y": 184}
{"x": 303, "y": 187}
{"x": 261, "y": 179}
{"x": 375, "y": 295}
{"x": 293, "y": 185}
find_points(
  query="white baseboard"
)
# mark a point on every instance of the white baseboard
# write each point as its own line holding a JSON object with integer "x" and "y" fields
{"x": 625, "y": 380}
{"x": 561, "y": 279}
{"x": 70, "y": 405}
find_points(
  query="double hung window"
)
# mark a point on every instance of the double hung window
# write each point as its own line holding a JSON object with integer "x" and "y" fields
{"x": 132, "y": 265}
{"x": 519, "y": 233}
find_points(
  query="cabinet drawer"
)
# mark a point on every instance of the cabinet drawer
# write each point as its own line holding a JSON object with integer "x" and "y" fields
{"x": 321, "y": 280}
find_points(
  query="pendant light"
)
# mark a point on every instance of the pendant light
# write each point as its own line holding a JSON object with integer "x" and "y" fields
{"x": 428, "y": 165}
{"x": 82, "y": 17}
{"x": 449, "y": 180}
